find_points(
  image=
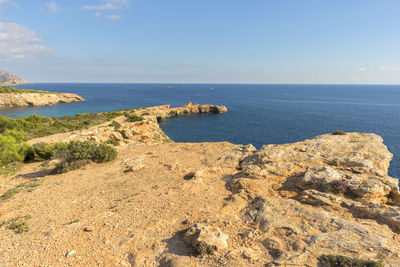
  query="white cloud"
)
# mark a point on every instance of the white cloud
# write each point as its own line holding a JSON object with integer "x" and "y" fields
{"x": 108, "y": 5}
{"x": 8, "y": 1}
{"x": 362, "y": 69}
{"x": 19, "y": 42}
{"x": 113, "y": 16}
{"x": 51, "y": 7}
{"x": 389, "y": 69}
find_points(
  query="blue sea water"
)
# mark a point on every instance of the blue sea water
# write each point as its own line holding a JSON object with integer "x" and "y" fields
{"x": 258, "y": 114}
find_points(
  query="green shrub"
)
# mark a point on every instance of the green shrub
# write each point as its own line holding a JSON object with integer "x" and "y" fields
{"x": 123, "y": 133}
{"x": 116, "y": 125}
{"x": 66, "y": 166}
{"x": 18, "y": 135}
{"x": 77, "y": 154}
{"x": 104, "y": 153}
{"x": 343, "y": 261}
{"x": 338, "y": 132}
{"x": 60, "y": 146}
{"x": 113, "y": 142}
{"x": 77, "y": 150}
{"x": 133, "y": 118}
{"x": 37, "y": 126}
{"x": 39, "y": 152}
{"x": 8, "y": 89}
{"x": 11, "y": 150}
{"x": 18, "y": 225}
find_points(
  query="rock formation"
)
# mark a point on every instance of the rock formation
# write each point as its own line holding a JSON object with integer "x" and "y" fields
{"x": 7, "y": 78}
{"x": 143, "y": 131}
{"x": 164, "y": 112}
{"x": 40, "y": 98}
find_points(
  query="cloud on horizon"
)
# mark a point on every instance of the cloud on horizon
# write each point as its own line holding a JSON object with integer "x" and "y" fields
{"x": 389, "y": 69}
{"x": 108, "y": 5}
{"x": 50, "y": 7}
{"x": 20, "y": 42}
{"x": 113, "y": 16}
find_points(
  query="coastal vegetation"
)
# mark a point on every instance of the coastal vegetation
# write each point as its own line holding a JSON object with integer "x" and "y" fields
{"x": 9, "y": 89}
{"x": 343, "y": 261}
{"x": 133, "y": 118}
{"x": 18, "y": 225}
{"x": 14, "y": 133}
{"x": 338, "y": 132}
{"x": 35, "y": 126}
{"x": 77, "y": 154}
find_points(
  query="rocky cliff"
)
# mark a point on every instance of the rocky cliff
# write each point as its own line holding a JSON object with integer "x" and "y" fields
{"x": 7, "y": 78}
{"x": 36, "y": 99}
{"x": 206, "y": 204}
{"x": 145, "y": 130}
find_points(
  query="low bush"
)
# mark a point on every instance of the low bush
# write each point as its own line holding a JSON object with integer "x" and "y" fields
{"x": 343, "y": 261}
{"x": 77, "y": 154}
{"x": 113, "y": 142}
{"x": 9, "y": 89}
{"x": 104, "y": 153}
{"x": 13, "y": 133}
{"x": 123, "y": 133}
{"x": 338, "y": 132}
{"x": 11, "y": 147}
{"x": 134, "y": 118}
{"x": 66, "y": 166}
{"x": 339, "y": 186}
{"x": 39, "y": 152}
{"x": 18, "y": 225}
{"x": 116, "y": 125}
{"x": 37, "y": 126}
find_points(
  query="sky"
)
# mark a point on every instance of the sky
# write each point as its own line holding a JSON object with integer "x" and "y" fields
{"x": 205, "y": 41}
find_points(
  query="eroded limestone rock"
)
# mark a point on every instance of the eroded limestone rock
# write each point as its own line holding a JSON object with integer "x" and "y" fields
{"x": 205, "y": 239}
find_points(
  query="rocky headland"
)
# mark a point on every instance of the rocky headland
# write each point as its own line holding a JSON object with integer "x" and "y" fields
{"x": 7, "y": 78}
{"x": 160, "y": 203}
{"x": 38, "y": 98}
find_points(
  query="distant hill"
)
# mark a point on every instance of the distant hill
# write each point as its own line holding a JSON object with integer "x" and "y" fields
{"x": 7, "y": 78}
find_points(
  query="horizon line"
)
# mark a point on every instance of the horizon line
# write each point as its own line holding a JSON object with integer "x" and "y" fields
{"x": 233, "y": 83}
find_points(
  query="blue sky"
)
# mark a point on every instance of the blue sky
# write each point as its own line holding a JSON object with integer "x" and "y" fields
{"x": 236, "y": 41}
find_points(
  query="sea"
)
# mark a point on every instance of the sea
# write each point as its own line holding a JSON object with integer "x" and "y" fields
{"x": 257, "y": 114}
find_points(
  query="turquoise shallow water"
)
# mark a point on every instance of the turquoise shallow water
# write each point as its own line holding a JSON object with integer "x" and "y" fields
{"x": 258, "y": 114}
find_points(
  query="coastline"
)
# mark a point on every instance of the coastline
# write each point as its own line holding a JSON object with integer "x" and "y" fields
{"x": 38, "y": 98}
{"x": 158, "y": 201}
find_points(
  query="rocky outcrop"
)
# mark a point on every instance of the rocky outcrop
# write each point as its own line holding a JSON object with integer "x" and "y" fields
{"x": 36, "y": 99}
{"x": 164, "y": 112}
{"x": 146, "y": 130}
{"x": 327, "y": 195}
{"x": 7, "y": 78}
{"x": 354, "y": 164}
